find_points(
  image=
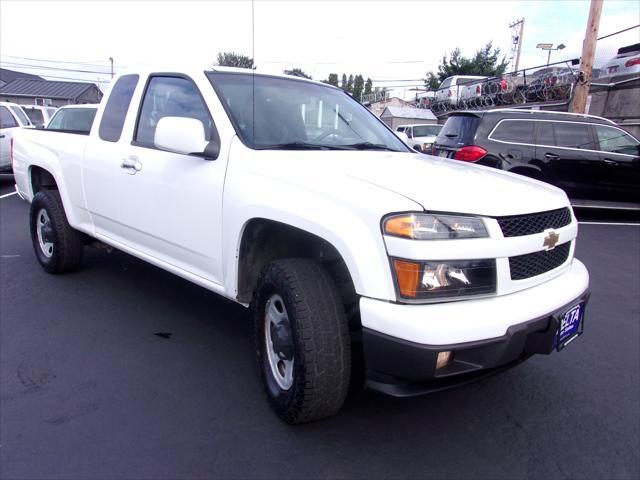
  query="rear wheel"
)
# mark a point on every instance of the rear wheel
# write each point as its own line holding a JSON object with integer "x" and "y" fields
{"x": 57, "y": 246}
{"x": 302, "y": 340}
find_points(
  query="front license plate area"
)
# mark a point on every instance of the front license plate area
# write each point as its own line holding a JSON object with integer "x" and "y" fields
{"x": 570, "y": 326}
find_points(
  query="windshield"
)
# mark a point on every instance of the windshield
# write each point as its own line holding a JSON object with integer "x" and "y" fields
{"x": 426, "y": 130}
{"x": 294, "y": 114}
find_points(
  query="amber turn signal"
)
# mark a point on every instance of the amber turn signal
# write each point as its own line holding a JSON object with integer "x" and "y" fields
{"x": 407, "y": 275}
{"x": 400, "y": 226}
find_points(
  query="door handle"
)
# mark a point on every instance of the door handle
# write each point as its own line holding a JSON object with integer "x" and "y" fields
{"x": 131, "y": 164}
{"x": 551, "y": 156}
{"x": 2, "y": 136}
{"x": 613, "y": 163}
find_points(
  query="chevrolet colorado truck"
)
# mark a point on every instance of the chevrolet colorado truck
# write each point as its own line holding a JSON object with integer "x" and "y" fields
{"x": 287, "y": 196}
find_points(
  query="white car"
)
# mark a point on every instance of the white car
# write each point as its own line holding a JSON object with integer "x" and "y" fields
{"x": 450, "y": 89}
{"x": 288, "y": 196}
{"x": 12, "y": 118}
{"x": 39, "y": 115}
{"x": 626, "y": 62}
{"x": 420, "y": 136}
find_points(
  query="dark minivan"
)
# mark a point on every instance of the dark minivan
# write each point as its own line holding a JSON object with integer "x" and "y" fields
{"x": 588, "y": 157}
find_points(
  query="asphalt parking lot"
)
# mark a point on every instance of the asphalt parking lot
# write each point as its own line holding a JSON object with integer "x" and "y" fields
{"x": 89, "y": 390}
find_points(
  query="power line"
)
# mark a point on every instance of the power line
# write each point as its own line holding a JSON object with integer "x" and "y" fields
{"x": 88, "y": 62}
{"x": 45, "y": 67}
{"x": 621, "y": 31}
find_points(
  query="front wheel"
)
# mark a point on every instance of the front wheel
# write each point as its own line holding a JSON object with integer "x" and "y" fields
{"x": 302, "y": 340}
{"x": 58, "y": 247}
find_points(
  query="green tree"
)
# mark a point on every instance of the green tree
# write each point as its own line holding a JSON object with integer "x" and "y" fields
{"x": 358, "y": 86}
{"x": 332, "y": 79}
{"x": 368, "y": 86}
{"x": 297, "y": 72}
{"x": 232, "y": 59}
{"x": 485, "y": 62}
{"x": 350, "y": 84}
{"x": 343, "y": 85}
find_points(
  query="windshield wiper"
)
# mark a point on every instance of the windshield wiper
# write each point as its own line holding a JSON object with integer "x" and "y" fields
{"x": 369, "y": 146}
{"x": 297, "y": 146}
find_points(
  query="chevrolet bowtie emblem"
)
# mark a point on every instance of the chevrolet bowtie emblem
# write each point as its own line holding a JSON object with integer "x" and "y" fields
{"x": 550, "y": 240}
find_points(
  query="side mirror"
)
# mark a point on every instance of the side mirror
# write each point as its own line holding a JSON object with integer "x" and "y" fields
{"x": 402, "y": 136}
{"x": 184, "y": 135}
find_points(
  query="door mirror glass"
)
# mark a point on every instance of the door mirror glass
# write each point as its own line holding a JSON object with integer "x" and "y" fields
{"x": 180, "y": 135}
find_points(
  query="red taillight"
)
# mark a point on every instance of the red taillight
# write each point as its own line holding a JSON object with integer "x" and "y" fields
{"x": 449, "y": 93}
{"x": 478, "y": 89}
{"x": 471, "y": 153}
{"x": 503, "y": 84}
{"x": 632, "y": 62}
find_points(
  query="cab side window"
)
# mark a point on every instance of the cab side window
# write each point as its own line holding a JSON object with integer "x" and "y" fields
{"x": 170, "y": 97}
{"x": 616, "y": 141}
{"x": 6, "y": 119}
{"x": 573, "y": 135}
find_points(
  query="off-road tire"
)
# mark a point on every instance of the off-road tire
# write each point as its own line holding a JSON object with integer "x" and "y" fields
{"x": 68, "y": 244}
{"x": 320, "y": 332}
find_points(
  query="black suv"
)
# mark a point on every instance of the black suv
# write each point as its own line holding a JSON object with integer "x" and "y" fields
{"x": 588, "y": 157}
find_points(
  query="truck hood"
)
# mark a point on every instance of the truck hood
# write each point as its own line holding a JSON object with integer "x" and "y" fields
{"x": 436, "y": 184}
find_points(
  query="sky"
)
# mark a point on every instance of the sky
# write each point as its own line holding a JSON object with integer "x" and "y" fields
{"x": 395, "y": 43}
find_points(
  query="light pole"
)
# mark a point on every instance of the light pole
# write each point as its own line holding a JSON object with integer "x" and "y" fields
{"x": 549, "y": 47}
{"x": 111, "y": 60}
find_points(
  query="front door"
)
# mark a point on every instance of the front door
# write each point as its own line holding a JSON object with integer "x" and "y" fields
{"x": 170, "y": 203}
{"x": 620, "y": 156}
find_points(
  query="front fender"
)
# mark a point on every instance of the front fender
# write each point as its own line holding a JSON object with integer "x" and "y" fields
{"x": 352, "y": 229}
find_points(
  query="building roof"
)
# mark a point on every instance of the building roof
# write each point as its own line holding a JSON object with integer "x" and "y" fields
{"x": 408, "y": 112}
{"x": 45, "y": 89}
{"x": 8, "y": 76}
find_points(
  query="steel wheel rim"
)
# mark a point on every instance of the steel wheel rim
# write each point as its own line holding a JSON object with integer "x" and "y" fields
{"x": 276, "y": 330}
{"x": 43, "y": 225}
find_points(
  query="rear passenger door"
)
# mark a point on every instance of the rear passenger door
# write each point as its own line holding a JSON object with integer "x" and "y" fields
{"x": 572, "y": 162}
{"x": 620, "y": 155}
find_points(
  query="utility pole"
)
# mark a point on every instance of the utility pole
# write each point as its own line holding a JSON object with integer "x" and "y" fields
{"x": 111, "y": 60}
{"x": 579, "y": 103}
{"x": 520, "y": 24}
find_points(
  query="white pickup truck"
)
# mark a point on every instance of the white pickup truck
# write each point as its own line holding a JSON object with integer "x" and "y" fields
{"x": 288, "y": 196}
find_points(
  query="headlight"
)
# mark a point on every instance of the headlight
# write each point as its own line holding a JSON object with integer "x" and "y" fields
{"x": 444, "y": 278}
{"x": 421, "y": 226}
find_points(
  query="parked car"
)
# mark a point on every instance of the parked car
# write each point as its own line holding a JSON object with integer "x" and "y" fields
{"x": 626, "y": 62}
{"x": 73, "y": 118}
{"x": 450, "y": 89}
{"x": 12, "y": 118}
{"x": 18, "y": 113}
{"x": 345, "y": 242}
{"x": 589, "y": 157}
{"x": 38, "y": 114}
{"x": 471, "y": 91}
{"x": 420, "y": 136}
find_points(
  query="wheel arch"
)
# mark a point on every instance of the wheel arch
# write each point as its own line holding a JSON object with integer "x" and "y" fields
{"x": 264, "y": 240}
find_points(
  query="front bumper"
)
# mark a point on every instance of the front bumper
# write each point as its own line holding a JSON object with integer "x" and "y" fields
{"x": 404, "y": 367}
